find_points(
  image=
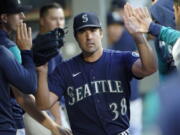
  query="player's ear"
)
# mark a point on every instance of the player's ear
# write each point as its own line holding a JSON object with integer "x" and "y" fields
{"x": 41, "y": 21}
{"x": 3, "y": 18}
{"x": 101, "y": 32}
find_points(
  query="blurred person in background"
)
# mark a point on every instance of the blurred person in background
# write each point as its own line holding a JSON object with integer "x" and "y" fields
{"x": 51, "y": 17}
{"x": 168, "y": 92}
{"x": 168, "y": 103}
{"x": 169, "y": 116}
{"x": 162, "y": 13}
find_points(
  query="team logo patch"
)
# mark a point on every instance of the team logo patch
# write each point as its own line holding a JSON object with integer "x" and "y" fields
{"x": 84, "y": 18}
{"x": 135, "y": 54}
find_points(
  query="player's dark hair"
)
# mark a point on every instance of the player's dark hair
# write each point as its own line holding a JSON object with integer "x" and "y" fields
{"x": 44, "y": 9}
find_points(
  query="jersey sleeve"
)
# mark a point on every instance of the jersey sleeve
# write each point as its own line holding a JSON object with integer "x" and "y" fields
{"x": 16, "y": 52}
{"x": 166, "y": 34}
{"x": 56, "y": 82}
{"x": 21, "y": 76}
{"x": 129, "y": 59}
{"x": 169, "y": 35}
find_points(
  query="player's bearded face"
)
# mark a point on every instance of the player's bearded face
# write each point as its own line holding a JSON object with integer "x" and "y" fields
{"x": 89, "y": 39}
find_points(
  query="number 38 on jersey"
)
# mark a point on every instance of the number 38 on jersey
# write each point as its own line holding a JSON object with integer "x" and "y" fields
{"x": 115, "y": 107}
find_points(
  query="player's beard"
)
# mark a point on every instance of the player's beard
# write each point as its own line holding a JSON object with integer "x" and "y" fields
{"x": 92, "y": 52}
{"x": 89, "y": 51}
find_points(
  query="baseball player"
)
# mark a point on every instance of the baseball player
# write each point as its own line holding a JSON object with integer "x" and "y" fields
{"x": 96, "y": 82}
{"x": 13, "y": 73}
{"x": 51, "y": 17}
{"x": 169, "y": 119}
{"x": 166, "y": 34}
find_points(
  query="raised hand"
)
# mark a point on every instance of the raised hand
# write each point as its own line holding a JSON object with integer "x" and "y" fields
{"x": 24, "y": 37}
{"x": 131, "y": 23}
{"x": 143, "y": 17}
{"x": 137, "y": 20}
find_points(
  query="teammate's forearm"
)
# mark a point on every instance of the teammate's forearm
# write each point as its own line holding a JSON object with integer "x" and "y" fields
{"x": 42, "y": 94}
{"x": 27, "y": 102}
{"x": 55, "y": 110}
{"x": 146, "y": 55}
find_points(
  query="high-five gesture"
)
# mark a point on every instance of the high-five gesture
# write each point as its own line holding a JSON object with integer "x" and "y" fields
{"x": 130, "y": 21}
{"x": 144, "y": 19}
{"x": 137, "y": 20}
{"x": 147, "y": 63}
{"x": 24, "y": 37}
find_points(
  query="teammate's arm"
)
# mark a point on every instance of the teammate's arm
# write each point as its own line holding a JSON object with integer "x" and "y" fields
{"x": 146, "y": 25}
{"x": 55, "y": 111}
{"x": 146, "y": 65}
{"x": 27, "y": 102}
{"x": 44, "y": 98}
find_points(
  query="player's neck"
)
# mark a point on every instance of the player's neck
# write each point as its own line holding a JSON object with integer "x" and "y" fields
{"x": 94, "y": 56}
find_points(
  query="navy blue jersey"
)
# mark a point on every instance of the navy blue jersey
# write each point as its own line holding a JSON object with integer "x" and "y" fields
{"x": 17, "y": 111}
{"x": 17, "y": 114}
{"x": 4, "y": 39}
{"x": 53, "y": 63}
{"x": 11, "y": 72}
{"x": 96, "y": 93}
{"x": 127, "y": 43}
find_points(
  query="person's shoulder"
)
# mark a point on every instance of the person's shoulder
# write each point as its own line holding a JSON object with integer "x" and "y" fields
{"x": 7, "y": 42}
{"x": 4, "y": 52}
{"x": 70, "y": 61}
{"x": 3, "y": 49}
{"x": 67, "y": 65}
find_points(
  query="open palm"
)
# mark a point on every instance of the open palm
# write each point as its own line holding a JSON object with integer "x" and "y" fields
{"x": 136, "y": 20}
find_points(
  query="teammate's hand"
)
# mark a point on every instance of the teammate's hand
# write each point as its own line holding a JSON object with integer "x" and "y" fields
{"x": 59, "y": 130}
{"x": 24, "y": 37}
{"x": 143, "y": 18}
{"x": 136, "y": 20}
{"x": 42, "y": 68}
{"x": 131, "y": 23}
